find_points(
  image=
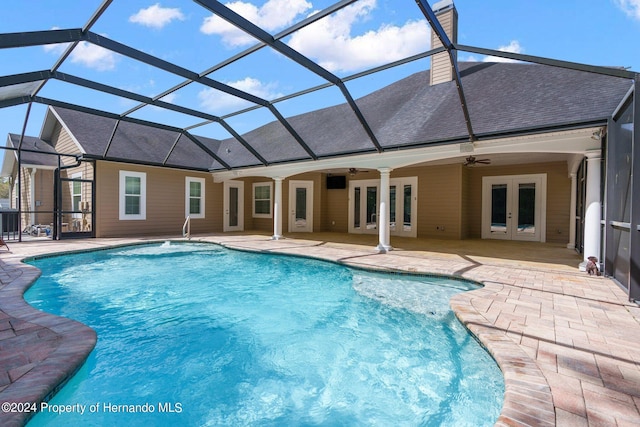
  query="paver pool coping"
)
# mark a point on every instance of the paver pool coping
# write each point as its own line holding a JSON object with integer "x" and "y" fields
{"x": 558, "y": 368}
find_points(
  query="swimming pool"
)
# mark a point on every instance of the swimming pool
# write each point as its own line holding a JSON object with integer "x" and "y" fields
{"x": 196, "y": 334}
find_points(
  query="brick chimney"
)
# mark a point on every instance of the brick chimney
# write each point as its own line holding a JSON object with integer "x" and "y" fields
{"x": 441, "y": 70}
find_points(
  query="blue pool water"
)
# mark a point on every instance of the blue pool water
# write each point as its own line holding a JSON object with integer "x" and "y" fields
{"x": 199, "y": 335}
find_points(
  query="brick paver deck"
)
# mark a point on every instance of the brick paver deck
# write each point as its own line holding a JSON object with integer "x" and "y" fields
{"x": 567, "y": 343}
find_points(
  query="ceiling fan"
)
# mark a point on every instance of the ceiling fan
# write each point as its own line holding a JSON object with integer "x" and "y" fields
{"x": 353, "y": 171}
{"x": 471, "y": 161}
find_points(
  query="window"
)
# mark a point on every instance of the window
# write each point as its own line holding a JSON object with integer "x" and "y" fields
{"x": 262, "y": 199}
{"x": 133, "y": 195}
{"x": 194, "y": 197}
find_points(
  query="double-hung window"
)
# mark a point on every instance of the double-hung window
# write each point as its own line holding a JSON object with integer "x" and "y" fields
{"x": 194, "y": 197}
{"x": 133, "y": 195}
{"x": 262, "y": 199}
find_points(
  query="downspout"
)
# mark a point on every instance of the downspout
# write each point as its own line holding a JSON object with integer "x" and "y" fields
{"x": 32, "y": 196}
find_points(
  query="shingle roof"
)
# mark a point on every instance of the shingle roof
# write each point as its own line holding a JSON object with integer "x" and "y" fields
{"x": 32, "y": 143}
{"x": 502, "y": 98}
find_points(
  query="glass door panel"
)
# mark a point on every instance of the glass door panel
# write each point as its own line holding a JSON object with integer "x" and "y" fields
{"x": 526, "y": 208}
{"x": 372, "y": 208}
{"x": 499, "y": 209}
{"x": 392, "y": 208}
{"x": 407, "y": 225}
{"x": 301, "y": 207}
{"x": 233, "y": 207}
{"x": 357, "y": 211}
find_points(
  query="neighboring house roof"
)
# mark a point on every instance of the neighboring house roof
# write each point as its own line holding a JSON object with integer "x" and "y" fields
{"x": 502, "y": 98}
{"x": 28, "y": 158}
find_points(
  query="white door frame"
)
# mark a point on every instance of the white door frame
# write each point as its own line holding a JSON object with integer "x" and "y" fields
{"x": 512, "y": 232}
{"x": 399, "y": 229}
{"x": 307, "y": 227}
{"x": 225, "y": 206}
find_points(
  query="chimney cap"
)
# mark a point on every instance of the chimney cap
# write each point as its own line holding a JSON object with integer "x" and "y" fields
{"x": 442, "y": 6}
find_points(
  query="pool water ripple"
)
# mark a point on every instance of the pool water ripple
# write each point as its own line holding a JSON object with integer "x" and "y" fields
{"x": 252, "y": 339}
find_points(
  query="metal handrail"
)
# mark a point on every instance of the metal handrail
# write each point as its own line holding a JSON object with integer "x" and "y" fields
{"x": 186, "y": 228}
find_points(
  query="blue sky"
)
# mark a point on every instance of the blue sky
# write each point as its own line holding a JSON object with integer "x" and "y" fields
{"x": 364, "y": 35}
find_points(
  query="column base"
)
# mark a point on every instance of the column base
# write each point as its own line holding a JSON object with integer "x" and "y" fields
{"x": 276, "y": 237}
{"x": 383, "y": 249}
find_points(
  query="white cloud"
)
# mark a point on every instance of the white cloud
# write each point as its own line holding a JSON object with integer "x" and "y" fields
{"x": 630, "y": 7}
{"x": 218, "y": 102}
{"x": 170, "y": 97}
{"x": 92, "y": 56}
{"x": 87, "y": 54}
{"x": 513, "y": 47}
{"x": 272, "y": 16}
{"x": 330, "y": 42}
{"x": 156, "y": 16}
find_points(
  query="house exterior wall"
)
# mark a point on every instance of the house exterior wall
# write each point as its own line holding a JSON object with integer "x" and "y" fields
{"x": 336, "y": 212}
{"x": 266, "y": 224}
{"x": 64, "y": 143}
{"x": 449, "y": 201}
{"x": 165, "y": 202}
{"x": 439, "y": 200}
{"x": 44, "y": 196}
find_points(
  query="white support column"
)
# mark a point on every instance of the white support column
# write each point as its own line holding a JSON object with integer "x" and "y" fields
{"x": 593, "y": 209}
{"x": 277, "y": 210}
{"x": 572, "y": 211}
{"x": 384, "y": 244}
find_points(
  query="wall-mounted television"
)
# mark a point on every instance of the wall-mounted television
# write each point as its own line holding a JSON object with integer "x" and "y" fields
{"x": 336, "y": 182}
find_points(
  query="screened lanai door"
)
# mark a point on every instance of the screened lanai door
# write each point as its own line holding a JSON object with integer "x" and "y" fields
{"x": 513, "y": 207}
{"x": 73, "y": 205}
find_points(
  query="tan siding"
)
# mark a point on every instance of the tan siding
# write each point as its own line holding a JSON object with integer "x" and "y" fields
{"x": 165, "y": 202}
{"x": 63, "y": 143}
{"x": 441, "y": 70}
{"x": 439, "y": 193}
{"x": 337, "y": 212}
{"x": 465, "y": 203}
{"x": 44, "y": 197}
{"x": 558, "y": 196}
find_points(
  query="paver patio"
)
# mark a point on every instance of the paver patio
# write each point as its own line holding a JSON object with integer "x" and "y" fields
{"x": 567, "y": 343}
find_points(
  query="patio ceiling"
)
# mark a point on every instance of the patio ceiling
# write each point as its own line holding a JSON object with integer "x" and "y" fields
{"x": 188, "y": 119}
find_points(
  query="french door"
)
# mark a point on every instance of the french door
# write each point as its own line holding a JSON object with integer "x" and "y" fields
{"x": 233, "y": 206}
{"x": 364, "y": 203}
{"x": 514, "y": 207}
{"x": 300, "y": 206}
